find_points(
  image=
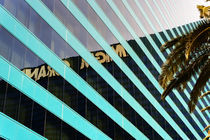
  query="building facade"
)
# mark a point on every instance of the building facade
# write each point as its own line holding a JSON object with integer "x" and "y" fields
{"x": 75, "y": 69}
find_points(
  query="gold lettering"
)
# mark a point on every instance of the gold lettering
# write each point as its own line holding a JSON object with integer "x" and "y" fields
{"x": 33, "y": 74}
{"x": 51, "y": 72}
{"x": 120, "y": 51}
{"x": 42, "y": 72}
{"x": 101, "y": 57}
{"x": 84, "y": 64}
{"x": 57, "y": 73}
{"x": 67, "y": 63}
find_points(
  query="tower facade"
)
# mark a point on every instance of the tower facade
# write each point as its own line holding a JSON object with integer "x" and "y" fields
{"x": 74, "y": 69}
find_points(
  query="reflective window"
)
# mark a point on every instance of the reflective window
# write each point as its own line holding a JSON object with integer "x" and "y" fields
{"x": 16, "y": 52}
{"x": 21, "y": 108}
{"x": 24, "y": 110}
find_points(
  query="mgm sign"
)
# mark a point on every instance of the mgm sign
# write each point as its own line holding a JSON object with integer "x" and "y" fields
{"x": 46, "y": 71}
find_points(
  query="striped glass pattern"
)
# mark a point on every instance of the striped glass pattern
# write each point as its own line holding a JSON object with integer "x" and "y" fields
{"x": 88, "y": 69}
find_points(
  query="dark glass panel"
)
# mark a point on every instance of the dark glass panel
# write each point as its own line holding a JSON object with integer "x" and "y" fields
{"x": 69, "y": 133}
{"x": 12, "y": 102}
{"x": 175, "y": 31}
{"x": 3, "y": 87}
{"x": 25, "y": 112}
{"x": 38, "y": 118}
{"x": 180, "y": 29}
{"x": 52, "y": 127}
{"x": 169, "y": 33}
{"x": 55, "y": 86}
{"x": 185, "y": 29}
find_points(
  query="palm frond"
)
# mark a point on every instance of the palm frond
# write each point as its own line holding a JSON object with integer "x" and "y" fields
{"x": 205, "y": 108}
{"x": 200, "y": 83}
{"x": 197, "y": 41}
{"x": 205, "y": 94}
{"x": 189, "y": 56}
{"x": 206, "y": 127}
{"x": 172, "y": 42}
{"x": 172, "y": 65}
{"x": 184, "y": 76}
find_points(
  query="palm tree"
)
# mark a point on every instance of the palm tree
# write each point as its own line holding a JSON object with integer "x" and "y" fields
{"x": 208, "y": 107}
{"x": 208, "y": 135}
{"x": 204, "y": 109}
{"x": 205, "y": 94}
{"x": 189, "y": 56}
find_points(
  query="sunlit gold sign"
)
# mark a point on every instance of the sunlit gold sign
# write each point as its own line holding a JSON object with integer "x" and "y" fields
{"x": 45, "y": 70}
{"x": 105, "y": 58}
{"x": 42, "y": 71}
